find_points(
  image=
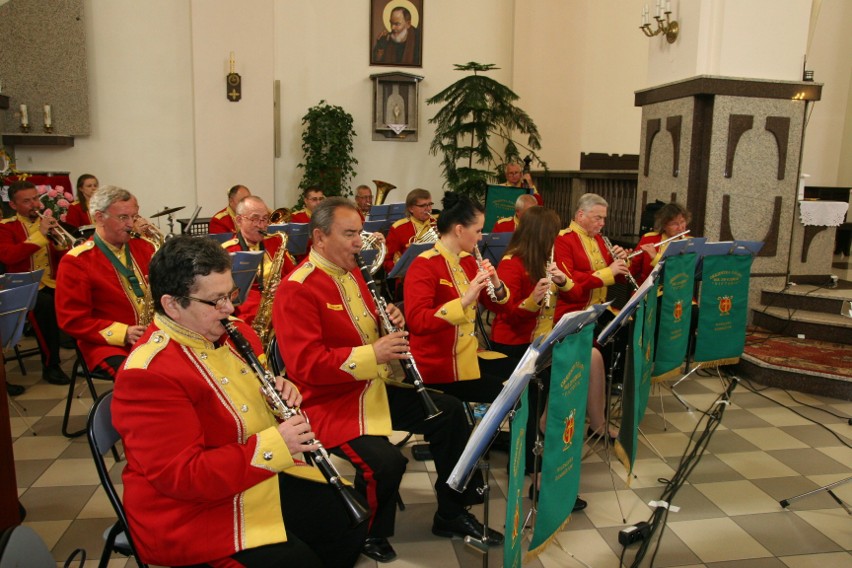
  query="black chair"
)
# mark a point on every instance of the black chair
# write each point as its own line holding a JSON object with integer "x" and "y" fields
{"x": 81, "y": 367}
{"x": 103, "y": 437}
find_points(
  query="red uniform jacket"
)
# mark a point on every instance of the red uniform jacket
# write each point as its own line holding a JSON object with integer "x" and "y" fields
{"x": 223, "y": 222}
{"x": 505, "y": 225}
{"x": 642, "y": 265}
{"x": 17, "y": 248}
{"x": 202, "y": 449}
{"x": 325, "y": 322}
{"x": 443, "y": 339}
{"x": 586, "y": 261}
{"x": 248, "y": 309}
{"x": 94, "y": 304}
{"x": 399, "y": 238}
{"x": 522, "y": 319}
{"x": 300, "y": 216}
{"x": 78, "y": 216}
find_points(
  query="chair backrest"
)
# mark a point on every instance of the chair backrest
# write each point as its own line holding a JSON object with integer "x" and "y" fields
{"x": 102, "y": 437}
{"x": 21, "y": 546}
{"x": 16, "y": 279}
{"x": 14, "y": 305}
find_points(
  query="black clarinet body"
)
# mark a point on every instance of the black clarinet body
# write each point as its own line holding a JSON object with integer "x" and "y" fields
{"x": 356, "y": 510}
{"x": 409, "y": 367}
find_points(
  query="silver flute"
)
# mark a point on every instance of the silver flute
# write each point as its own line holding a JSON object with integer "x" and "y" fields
{"x": 490, "y": 285}
{"x": 629, "y": 276}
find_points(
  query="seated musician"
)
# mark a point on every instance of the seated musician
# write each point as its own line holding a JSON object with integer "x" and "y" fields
{"x": 516, "y": 177}
{"x": 252, "y": 222}
{"x": 102, "y": 295}
{"x": 580, "y": 252}
{"x": 78, "y": 212}
{"x": 27, "y": 244}
{"x": 311, "y": 197}
{"x": 412, "y": 228}
{"x": 325, "y": 319}
{"x": 510, "y": 224}
{"x": 670, "y": 220}
{"x": 224, "y": 221}
{"x": 364, "y": 200}
{"x": 210, "y": 476}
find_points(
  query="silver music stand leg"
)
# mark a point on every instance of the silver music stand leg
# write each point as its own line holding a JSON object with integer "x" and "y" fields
{"x": 828, "y": 489}
{"x": 680, "y": 380}
{"x": 483, "y": 544}
{"x": 19, "y": 410}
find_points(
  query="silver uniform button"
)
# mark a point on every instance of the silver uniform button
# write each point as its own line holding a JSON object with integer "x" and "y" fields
{"x": 203, "y": 356}
{"x": 224, "y": 380}
{"x": 267, "y": 456}
{"x": 352, "y": 365}
{"x": 244, "y": 408}
{"x": 109, "y": 334}
{"x": 443, "y": 312}
{"x": 244, "y": 371}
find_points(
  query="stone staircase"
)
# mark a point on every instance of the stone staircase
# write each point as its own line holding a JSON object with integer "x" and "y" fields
{"x": 814, "y": 312}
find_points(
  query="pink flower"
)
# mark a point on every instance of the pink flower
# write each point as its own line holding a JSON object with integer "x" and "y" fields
{"x": 63, "y": 217}
{"x": 59, "y": 188}
{"x": 48, "y": 212}
{"x": 51, "y": 193}
{"x": 41, "y": 189}
{"x": 63, "y": 203}
{"x": 68, "y": 196}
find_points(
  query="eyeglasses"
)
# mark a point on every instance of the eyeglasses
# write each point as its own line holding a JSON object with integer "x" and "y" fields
{"x": 257, "y": 219}
{"x": 219, "y": 303}
{"x": 123, "y": 218}
{"x": 424, "y": 205}
{"x": 314, "y": 198}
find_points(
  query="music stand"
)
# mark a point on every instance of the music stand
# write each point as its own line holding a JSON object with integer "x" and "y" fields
{"x": 220, "y": 238}
{"x": 377, "y": 225}
{"x": 187, "y": 229}
{"x": 412, "y": 252}
{"x": 493, "y": 246}
{"x": 297, "y": 236}
{"x": 244, "y": 265}
{"x": 396, "y": 211}
{"x": 379, "y": 212}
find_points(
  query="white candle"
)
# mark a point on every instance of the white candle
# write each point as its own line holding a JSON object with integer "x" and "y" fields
{"x": 47, "y": 118}
{"x": 668, "y": 6}
{"x": 25, "y": 119}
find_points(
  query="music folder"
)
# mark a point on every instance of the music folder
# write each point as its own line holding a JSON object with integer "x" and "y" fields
{"x": 377, "y": 225}
{"x": 297, "y": 236}
{"x": 493, "y": 246}
{"x": 244, "y": 265}
{"x": 220, "y": 238}
{"x": 631, "y": 306}
{"x": 505, "y": 402}
{"x": 412, "y": 252}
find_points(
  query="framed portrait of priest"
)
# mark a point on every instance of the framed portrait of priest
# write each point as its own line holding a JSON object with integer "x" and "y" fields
{"x": 396, "y": 33}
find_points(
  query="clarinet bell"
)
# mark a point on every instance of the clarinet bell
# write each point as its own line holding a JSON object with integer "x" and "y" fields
{"x": 355, "y": 508}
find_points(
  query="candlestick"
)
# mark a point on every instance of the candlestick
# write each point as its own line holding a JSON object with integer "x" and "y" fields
{"x": 232, "y": 62}
{"x": 48, "y": 122}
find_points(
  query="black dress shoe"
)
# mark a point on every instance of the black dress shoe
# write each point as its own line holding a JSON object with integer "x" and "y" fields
{"x": 464, "y": 525}
{"x": 579, "y": 505}
{"x": 14, "y": 390}
{"x": 379, "y": 549}
{"x": 55, "y": 376}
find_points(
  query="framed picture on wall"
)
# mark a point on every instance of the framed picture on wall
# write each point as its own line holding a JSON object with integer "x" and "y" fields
{"x": 396, "y": 33}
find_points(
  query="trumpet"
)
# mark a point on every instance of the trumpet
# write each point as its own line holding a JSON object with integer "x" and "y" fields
{"x": 658, "y": 245}
{"x": 60, "y": 236}
{"x": 148, "y": 232}
{"x": 409, "y": 367}
{"x": 629, "y": 276}
{"x": 489, "y": 285}
{"x": 356, "y": 510}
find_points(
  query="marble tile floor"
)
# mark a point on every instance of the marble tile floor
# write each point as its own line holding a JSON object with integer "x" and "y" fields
{"x": 765, "y": 450}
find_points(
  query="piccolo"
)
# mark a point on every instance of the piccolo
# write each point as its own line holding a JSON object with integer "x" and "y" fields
{"x": 409, "y": 367}
{"x": 659, "y": 244}
{"x": 356, "y": 510}
{"x": 489, "y": 286}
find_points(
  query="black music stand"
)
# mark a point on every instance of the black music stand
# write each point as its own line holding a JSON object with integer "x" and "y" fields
{"x": 412, "y": 252}
{"x": 493, "y": 246}
{"x": 377, "y": 225}
{"x": 297, "y": 236}
{"x": 244, "y": 265}
{"x": 186, "y": 229}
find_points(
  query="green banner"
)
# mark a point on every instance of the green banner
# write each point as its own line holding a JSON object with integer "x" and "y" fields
{"x": 512, "y": 546}
{"x": 723, "y": 310}
{"x": 500, "y": 202}
{"x": 675, "y": 314}
{"x": 563, "y": 437}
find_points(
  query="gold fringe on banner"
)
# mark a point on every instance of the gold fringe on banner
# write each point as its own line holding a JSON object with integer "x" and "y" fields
{"x": 719, "y": 362}
{"x": 533, "y": 554}
{"x": 667, "y": 375}
{"x": 622, "y": 456}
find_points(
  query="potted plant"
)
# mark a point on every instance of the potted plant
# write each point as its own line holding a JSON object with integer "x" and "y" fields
{"x": 327, "y": 149}
{"x": 475, "y": 129}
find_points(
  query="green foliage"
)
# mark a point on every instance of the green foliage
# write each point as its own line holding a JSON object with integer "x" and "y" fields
{"x": 474, "y": 130}
{"x": 327, "y": 146}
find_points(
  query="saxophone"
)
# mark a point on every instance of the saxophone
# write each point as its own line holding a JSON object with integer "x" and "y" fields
{"x": 263, "y": 320}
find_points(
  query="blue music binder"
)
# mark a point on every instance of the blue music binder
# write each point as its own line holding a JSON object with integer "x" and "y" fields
{"x": 244, "y": 265}
{"x": 412, "y": 252}
{"x": 297, "y": 236}
{"x": 220, "y": 238}
{"x": 493, "y": 246}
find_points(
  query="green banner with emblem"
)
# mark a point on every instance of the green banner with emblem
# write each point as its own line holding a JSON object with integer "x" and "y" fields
{"x": 723, "y": 310}
{"x": 500, "y": 202}
{"x": 512, "y": 545}
{"x": 563, "y": 438}
{"x": 675, "y": 315}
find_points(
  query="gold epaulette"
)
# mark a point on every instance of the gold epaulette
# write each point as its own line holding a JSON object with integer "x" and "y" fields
{"x": 230, "y": 243}
{"x": 401, "y": 222}
{"x": 301, "y": 273}
{"x": 504, "y": 219}
{"x": 144, "y": 353}
{"x": 431, "y": 253}
{"x": 221, "y": 214}
{"x": 81, "y": 248}
{"x": 565, "y": 231}
{"x": 9, "y": 220}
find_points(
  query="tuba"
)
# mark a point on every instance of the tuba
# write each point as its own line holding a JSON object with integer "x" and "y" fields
{"x": 382, "y": 190}
{"x": 280, "y": 215}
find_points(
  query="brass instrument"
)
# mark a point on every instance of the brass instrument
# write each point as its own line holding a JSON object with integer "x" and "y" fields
{"x": 263, "y": 320}
{"x": 427, "y": 235}
{"x": 279, "y": 216}
{"x": 489, "y": 285}
{"x": 629, "y": 276}
{"x": 382, "y": 190}
{"x": 409, "y": 367}
{"x": 149, "y": 232}
{"x": 60, "y": 236}
{"x": 356, "y": 510}
{"x": 147, "y": 315}
{"x": 549, "y": 292}
{"x": 369, "y": 241}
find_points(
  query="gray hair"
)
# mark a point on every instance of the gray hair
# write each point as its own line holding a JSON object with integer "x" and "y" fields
{"x": 105, "y": 196}
{"x": 323, "y": 215}
{"x": 589, "y": 200}
{"x": 241, "y": 206}
{"x": 524, "y": 201}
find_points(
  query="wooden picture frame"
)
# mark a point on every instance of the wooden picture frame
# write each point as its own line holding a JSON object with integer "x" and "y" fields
{"x": 388, "y": 20}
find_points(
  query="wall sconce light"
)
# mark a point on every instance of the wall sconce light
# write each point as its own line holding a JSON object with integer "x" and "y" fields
{"x": 665, "y": 25}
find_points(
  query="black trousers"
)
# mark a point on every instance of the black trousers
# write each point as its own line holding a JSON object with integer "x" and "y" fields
{"x": 493, "y": 373}
{"x": 379, "y": 464}
{"x": 43, "y": 319}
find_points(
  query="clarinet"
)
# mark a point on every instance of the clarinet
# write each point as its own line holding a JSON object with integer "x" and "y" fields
{"x": 489, "y": 286}
{"x": 409, "y": 367}
{"x": 549, "y": 292}
{"x": 628, "y": 275}
{"x": 357, "y": 512}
